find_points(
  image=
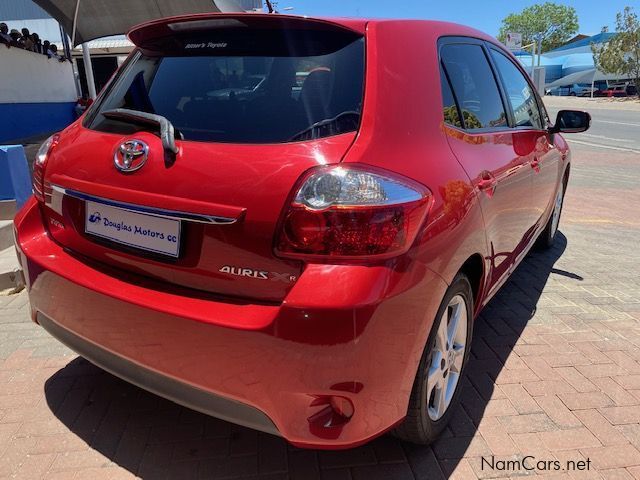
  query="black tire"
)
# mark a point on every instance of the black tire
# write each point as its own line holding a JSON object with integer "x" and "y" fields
{"x": 548, "y": 236}
{"x": 418, "y": 427}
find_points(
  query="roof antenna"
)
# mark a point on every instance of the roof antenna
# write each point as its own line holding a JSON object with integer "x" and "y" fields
{"x": 270, "y": 6}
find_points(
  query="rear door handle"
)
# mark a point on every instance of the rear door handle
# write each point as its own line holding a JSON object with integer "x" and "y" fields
{"x": 487, "y": 183}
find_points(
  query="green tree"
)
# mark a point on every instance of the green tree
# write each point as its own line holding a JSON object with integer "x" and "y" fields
{"x": 556, "y": 23}
{"x": 621, "y": 54}
{"x": 452, "y": 118}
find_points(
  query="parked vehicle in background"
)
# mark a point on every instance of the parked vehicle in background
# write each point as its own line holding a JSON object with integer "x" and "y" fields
{"x": 618, "y": 90}
{"x": 573, "y": 90}
{"x": 307, "y": 262}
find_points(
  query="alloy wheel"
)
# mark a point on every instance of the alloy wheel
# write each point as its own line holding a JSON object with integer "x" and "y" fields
{"x": 557, "y": 209}
{"x": 447, "y": 358}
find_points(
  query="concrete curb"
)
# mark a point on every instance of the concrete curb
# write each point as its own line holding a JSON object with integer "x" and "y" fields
{"x": 6, "y": 234}
{"x": 11, "y": 276}
{"x": 8, "y": 209}
{"x": 11, "y": 282}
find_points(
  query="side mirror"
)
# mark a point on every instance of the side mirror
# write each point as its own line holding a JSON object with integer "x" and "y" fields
{"x": 571, "y": 121}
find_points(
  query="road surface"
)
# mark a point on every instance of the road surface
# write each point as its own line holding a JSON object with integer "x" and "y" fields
{"x": 615, "y": 126}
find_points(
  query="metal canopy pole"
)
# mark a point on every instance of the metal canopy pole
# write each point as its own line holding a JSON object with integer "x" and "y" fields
{"x": 539, "y": 49}
{"x": 75, "y": 24}
{"x": 88, "y": 70}
{"x": 86, "y": 55}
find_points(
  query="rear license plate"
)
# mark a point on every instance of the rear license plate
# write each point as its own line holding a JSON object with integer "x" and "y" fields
{"x": 139, "y": 230}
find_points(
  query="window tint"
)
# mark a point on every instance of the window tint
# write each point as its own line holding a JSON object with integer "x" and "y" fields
{"x": 521, "y": 95}
{"x": 474, "y": 86}
{"x": 450, "y": 110}
{"x": 257, "y": 90}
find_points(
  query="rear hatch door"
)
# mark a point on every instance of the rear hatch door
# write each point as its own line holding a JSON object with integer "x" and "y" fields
{"x": 243, "y": 94}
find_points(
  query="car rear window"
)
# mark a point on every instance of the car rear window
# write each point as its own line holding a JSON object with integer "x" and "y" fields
{"x": 243, "y": 87}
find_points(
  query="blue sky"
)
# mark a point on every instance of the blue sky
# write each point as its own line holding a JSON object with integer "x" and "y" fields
{"x": 485, "y": 15}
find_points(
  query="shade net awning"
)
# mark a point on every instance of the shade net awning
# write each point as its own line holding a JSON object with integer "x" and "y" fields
{"x": 101, "y": 18}
{"x": 585, "y": 76}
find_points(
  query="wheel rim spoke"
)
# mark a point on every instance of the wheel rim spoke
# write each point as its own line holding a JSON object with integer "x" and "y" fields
{"x": 437, "y": 398}
{"x": 454, "y": 319}
{"x": 557, "y": 209}
{"x": 441, "y": 402}
{"x": 434, "y": 382}
{"x": 433, "y": 376}
{"x": 458, "y": 358}
{"x": 442, "y": 335}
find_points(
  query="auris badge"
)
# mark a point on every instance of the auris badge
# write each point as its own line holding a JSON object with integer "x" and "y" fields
{"x": 257, "y": 274}
{"x": 131, "y": 156}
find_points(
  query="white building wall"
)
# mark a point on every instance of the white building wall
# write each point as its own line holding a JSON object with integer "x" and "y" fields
{"x": 29, "y": 77}
{"x": 37, "y": 95}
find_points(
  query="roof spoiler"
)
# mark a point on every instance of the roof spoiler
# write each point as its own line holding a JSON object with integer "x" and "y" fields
{"x": 168, "y": 27}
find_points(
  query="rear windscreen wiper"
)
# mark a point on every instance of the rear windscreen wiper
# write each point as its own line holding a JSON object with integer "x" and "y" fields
{"x": 347, "y": 118}
{"x": 167, "y": 132}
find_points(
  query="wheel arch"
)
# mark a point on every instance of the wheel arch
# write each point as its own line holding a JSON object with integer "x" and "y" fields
{"x": 474, "y": 269}
{"x": 565, "y": 176}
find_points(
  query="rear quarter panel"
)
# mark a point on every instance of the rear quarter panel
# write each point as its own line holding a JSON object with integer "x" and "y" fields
{"x": 403, "y": 130}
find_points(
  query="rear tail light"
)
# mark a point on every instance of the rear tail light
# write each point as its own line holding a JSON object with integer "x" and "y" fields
{"x": 39, "y": 166}
{"x": 352, "y": 213}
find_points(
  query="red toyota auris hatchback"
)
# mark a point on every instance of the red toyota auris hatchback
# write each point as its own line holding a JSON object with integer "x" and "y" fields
{"x": 280, "y": 221}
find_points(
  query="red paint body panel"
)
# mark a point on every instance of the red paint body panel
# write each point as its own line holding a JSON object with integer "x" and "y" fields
{"x": 280, "y": 346}
{"x": 275, "y": 358}
{"x": 247, "y": 182}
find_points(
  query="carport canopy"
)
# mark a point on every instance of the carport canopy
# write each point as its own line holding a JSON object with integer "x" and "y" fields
{"x": 586, "y": 76}
{"x": 86, "y": 20}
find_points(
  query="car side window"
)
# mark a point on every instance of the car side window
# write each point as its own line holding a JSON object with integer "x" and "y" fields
{"x": 474, "y": 86}
{"x": 520, "y": 93}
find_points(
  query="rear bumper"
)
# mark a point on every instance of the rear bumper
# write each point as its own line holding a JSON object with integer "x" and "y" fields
{"x": 344, "y": 334}
{"x": 174, "y": 390}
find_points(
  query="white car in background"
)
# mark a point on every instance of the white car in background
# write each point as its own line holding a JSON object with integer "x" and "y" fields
{"x": 572, "y": 90}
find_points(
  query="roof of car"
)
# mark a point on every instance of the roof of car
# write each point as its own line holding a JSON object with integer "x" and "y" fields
{"x": 154, "y": 28}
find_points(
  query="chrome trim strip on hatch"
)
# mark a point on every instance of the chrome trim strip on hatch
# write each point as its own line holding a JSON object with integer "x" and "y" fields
{"x": 58, "y": 193}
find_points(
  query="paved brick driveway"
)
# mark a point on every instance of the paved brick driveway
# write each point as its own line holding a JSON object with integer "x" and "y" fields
{"x": 555, "y": 375}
